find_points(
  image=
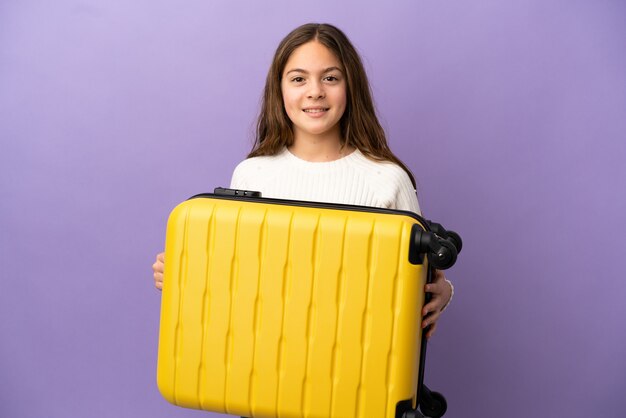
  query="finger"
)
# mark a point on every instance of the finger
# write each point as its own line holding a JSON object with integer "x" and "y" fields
{"x": 435, "y": 305}
{"x": 158, "y": 280}
{"x": 161, "y": 257}
{"x": 430, "y": 319}
{"x": 157, "y": 268}
{"x": 434, "y": 288}
{"x": 431, "y": 331}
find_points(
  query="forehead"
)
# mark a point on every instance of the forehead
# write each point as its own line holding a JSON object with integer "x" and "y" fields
{"x": 312, "y": 56}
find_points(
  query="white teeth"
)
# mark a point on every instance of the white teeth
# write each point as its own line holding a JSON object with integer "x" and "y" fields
{"x": 315, "y": 110}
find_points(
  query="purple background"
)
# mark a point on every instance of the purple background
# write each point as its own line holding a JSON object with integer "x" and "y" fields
{"x": 512, "y": 116}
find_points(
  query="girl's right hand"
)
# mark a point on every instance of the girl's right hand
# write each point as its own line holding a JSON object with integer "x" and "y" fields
{"x": 157, "y": 267}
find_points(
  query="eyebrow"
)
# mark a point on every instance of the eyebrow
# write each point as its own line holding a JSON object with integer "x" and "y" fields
{"x": 327, "y": 70}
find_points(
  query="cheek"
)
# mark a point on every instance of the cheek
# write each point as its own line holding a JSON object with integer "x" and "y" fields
{"x": 344, "y": 102}
{"x": 291, "y": 105}
{"x": 289, "y": 98}
{"x": 339, "y": 96}
{"x": 341, "y": 100}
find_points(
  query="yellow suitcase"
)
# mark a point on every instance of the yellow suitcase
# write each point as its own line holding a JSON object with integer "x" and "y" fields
{"x": 276, "y": 308}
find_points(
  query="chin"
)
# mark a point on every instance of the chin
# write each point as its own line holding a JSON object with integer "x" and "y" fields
{"x": 316, "y": 132}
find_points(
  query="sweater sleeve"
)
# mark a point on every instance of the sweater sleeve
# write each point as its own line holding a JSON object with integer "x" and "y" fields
{"x": 406, "y": 196}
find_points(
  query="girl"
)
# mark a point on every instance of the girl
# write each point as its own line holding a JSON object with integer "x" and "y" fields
{"x": 318, "y": 139}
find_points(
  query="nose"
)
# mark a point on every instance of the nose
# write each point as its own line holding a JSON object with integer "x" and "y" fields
{"x": 316, "y": 90}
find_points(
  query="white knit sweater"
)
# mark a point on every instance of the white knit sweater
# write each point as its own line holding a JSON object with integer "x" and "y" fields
{"x": 353, "y": 179}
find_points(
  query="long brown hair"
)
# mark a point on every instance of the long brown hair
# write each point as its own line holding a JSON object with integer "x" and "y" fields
{"x": 359, "y": 125}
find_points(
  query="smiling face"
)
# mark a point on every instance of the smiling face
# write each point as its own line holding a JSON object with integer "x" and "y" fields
{"x": 314, "y": 93}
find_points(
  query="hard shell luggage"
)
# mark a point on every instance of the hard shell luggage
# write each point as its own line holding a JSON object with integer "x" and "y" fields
{"x": 276, "y": 308}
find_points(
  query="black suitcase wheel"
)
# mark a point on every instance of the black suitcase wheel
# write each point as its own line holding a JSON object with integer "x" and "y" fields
{"x": 444, "y": 256}
{"x": 456, "y": 240}
{"x": 441, "y": 252}
{"x": 434, "y": 406}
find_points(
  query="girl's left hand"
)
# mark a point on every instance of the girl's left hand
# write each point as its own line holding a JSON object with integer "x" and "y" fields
{"x": 441, "y": 293}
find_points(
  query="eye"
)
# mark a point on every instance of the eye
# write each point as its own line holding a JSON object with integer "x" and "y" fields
{"x": 331, "y": 78}
{"x": 297, "y": 79}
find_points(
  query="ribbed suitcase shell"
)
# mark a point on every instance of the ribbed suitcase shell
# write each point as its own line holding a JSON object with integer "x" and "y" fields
{"x": 279, "y": 310}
